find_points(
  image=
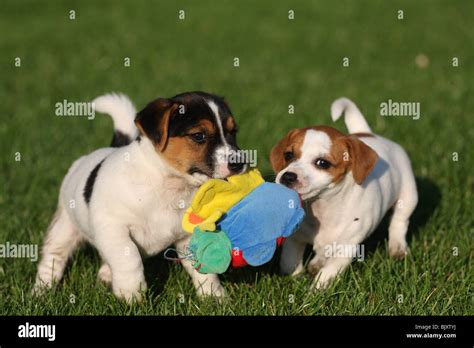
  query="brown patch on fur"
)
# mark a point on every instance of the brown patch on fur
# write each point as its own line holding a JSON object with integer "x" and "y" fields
{"x": 230, "y": 124}
{"x": 205, "y": 126}
{"x": 364, "y": 135}
{"x": 340, "y": 160}
{"x": 346, "y": 153}
{"x": 338, "y": 154}
{"x": 153, "y": 121}
{"x": 333, "y": 133}
{"x": 349, "y": 153}
{"x": 183, "y": 153}
{"x": 292, "y": 142}
{"x": 362, "y": 158}
{"x": 163, "y": 127}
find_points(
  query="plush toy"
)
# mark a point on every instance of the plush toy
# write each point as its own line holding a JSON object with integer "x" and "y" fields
{"x": 239, "y": 221}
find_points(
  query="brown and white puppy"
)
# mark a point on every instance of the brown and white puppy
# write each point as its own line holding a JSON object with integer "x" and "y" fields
{"x": 128, "y": 200}
{"x": 349, "y": 182}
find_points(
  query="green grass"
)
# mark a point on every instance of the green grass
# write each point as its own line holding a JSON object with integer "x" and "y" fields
{"x": 282, "y": 62}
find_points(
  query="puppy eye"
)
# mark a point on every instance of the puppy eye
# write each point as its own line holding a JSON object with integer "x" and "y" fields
{"x": 322, "y": 163}
{"x": 199, "y": 137}
{"x": 288, "y": 156}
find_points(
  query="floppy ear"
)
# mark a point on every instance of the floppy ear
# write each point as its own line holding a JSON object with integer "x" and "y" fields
{"x": 153, "y": 121}
{"x": 277, "y": 158}
{"x": 362, "y": 158}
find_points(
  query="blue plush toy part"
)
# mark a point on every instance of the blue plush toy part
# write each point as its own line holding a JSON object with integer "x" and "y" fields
{"x": 255, "y": 223}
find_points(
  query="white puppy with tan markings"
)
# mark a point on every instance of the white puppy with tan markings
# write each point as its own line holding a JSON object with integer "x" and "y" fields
{"x": 349, "y": 182}
{"x": 128, "y": 200}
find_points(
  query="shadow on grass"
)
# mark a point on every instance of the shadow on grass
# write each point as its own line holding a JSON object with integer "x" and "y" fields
{"x": 157, "y": 269}
{"x": 157, "y": 272}
{"x": 429, "y": 197}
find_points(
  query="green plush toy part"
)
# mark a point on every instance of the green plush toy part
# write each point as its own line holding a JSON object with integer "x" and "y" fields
{"x": 211, "y": 251}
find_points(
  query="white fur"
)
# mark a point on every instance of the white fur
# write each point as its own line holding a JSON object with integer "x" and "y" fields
{"x": 353, "y": 118}
{"x": 215, "y": 110}
{"x": 135, "y": 209}
{"x": 346, "y": 213}
{"x": 122, "y": 111}
{"x": 221, "y": 169}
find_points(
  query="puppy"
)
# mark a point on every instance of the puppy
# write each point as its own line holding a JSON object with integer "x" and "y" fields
{"x": 349, "y": 182}
{"x": 128, "y": 200}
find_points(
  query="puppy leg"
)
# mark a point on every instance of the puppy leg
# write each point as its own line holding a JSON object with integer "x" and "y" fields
{"x": 397, "y": 230}
{"x": 317, "y": 262}
{"x": 291, "y": 261}
{"x": 330, "y": 270}
{"x": 205, "y": 284}
{"x": 105, "y": 274}
{"x": 319, "y": 259}
{"x": 61, "y": 240}
{"x": 121, "y": 254}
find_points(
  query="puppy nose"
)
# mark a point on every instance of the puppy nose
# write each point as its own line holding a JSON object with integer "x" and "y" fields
{"x": 288, "y": 179}
{"x": 236, "y": 167}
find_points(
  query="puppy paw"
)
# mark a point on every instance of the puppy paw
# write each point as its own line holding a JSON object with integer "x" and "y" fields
{"x": 40, "y": 288}
{"x": 398, "y": 250}
{"x": 211, "y": 289}
{"x": 130, "y": 294}
{"x": 321, "y": 282}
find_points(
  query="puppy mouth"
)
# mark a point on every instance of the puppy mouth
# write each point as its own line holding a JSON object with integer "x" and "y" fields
{"x": 305, "y": 193}
{"x": 200, "y": 173}
{"x": 197, "y": 170}
{"x": 220, "y": 177}
{"x": 309, "y": 196}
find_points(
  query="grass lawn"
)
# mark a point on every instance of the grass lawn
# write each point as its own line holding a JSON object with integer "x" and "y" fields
{"x": 282, "y": 62}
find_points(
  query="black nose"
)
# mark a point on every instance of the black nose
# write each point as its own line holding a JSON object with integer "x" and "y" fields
{"x": 288, "y": 179}
{"x": 236, "y": 167}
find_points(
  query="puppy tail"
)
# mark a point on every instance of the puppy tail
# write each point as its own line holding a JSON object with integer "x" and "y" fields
{"x": 355, "y": 121}
{"x": 122, "y": 111}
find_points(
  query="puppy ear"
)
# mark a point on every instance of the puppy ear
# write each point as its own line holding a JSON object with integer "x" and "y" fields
{"x": 277, "y": 158}
{"x": 153, "y": 121}
{"x": 362, "y": 158}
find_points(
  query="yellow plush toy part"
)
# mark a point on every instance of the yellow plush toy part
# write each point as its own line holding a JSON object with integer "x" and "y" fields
{"x": 216, "y": 197}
